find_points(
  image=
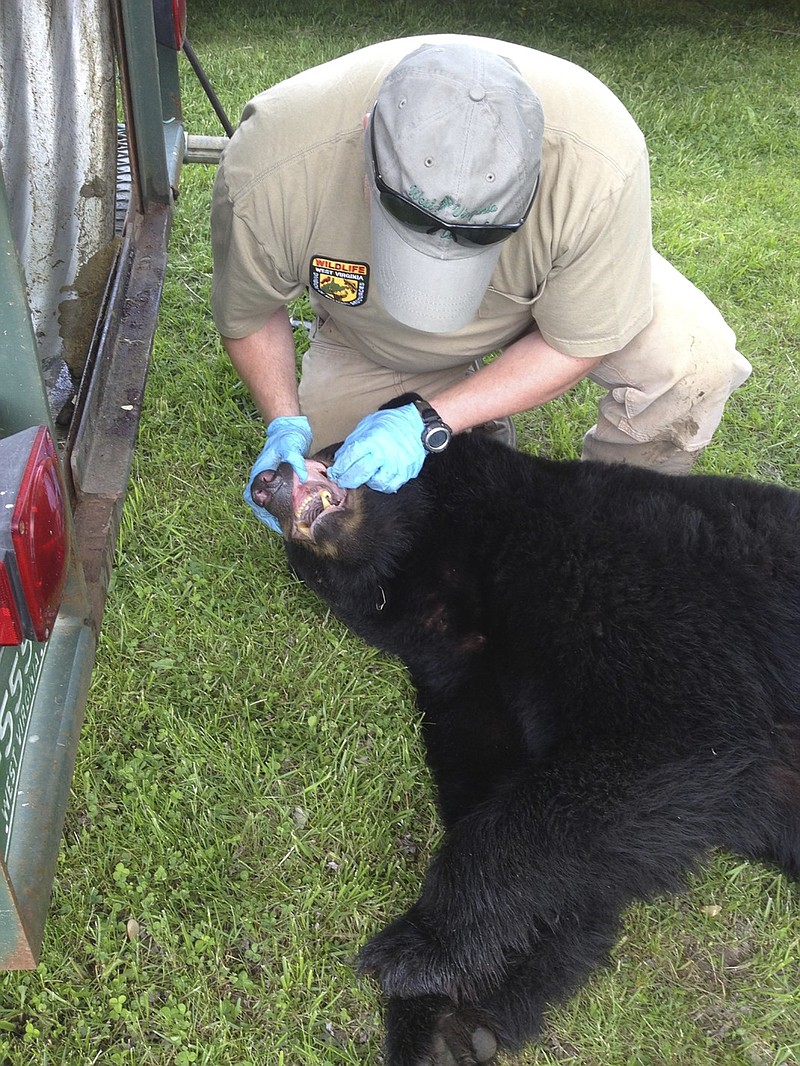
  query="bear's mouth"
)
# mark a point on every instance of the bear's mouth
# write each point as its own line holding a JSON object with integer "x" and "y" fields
{"x": 314, "y": 501}
{"x": 302, "y": 507}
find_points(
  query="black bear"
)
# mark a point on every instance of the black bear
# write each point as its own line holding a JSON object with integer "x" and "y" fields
{"x": 606, "y": 661}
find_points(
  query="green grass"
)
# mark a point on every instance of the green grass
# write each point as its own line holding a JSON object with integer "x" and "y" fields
{"x": 250, "y": 800}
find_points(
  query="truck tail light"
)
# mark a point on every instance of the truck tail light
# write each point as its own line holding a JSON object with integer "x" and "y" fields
{"x": 10, "y": 627}
{"x": 34, "y": 549}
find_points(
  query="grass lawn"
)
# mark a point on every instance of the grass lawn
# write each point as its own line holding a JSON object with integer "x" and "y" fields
{"x": 250, "y": 801}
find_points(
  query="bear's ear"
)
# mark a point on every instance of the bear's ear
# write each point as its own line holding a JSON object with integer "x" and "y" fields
{"x": 399, "y": 401}
{"x": 326, "y": 455}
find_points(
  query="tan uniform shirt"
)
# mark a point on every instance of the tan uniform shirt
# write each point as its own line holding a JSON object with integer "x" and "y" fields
{"x": 291, "y": 211}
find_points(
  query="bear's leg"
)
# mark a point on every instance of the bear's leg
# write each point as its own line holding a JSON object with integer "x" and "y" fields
{"x": 468, "y": 755}
{"x": 773, "y": 834}
{"x": 568, "y": 843}
{"x": 430, "y": 1031}
{"x": 473, "y": 738}
{"x": 433, "y": 1031}
{"x": 783, "y": 780}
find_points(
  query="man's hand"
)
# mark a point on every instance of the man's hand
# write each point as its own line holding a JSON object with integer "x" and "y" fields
{"x": 288, "y": 441}
{"x": 384, "y": 451}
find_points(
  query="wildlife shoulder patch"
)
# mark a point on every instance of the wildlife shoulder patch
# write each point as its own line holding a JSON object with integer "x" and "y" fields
{"x": 346, "y": 283}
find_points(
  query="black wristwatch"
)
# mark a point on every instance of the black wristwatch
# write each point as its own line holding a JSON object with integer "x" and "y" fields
{"x": 436, "y": 434}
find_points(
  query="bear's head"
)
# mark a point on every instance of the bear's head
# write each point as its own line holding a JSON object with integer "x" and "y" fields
{"x": 316, "y": 511}
{"x": 357, "y": 529}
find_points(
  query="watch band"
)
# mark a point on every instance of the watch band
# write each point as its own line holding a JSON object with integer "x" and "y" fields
{"x": 436, "y": 434}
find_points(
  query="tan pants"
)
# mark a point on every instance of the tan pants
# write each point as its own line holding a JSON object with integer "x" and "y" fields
{"x": 666, "y": 389}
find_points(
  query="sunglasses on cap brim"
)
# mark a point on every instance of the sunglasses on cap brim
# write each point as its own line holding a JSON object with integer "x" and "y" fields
{"x": 421, "y": 221}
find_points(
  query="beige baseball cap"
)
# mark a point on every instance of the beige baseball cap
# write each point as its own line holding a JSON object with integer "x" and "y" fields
{"x": 453, "y": 151}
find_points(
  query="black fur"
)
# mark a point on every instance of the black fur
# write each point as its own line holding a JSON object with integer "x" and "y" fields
{"x": 606, "y": 661}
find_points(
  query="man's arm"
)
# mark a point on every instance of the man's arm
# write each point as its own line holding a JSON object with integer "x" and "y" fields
{"x": 265, "y": 361}
{"x": 527, "y": 374}
{"x": 385, "y": 449}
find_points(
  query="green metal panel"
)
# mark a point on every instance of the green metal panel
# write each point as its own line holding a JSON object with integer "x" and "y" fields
{"x": 15, "y": 948}
{"x": 22, "y": 397}
{"x": 42, "y": 686}
{"x": 16, "y": 705}
{"x": 46, "y": 772}
{"x": 173, "y": 131}
{"x": 43, "y": 690}
{"x": 155, "y": 120}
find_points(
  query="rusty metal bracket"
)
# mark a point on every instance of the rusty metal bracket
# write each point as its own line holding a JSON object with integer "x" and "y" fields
{"x": 102, "y": 451}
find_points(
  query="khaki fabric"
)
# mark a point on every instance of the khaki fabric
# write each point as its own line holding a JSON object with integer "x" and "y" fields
{"x": 340, "y": 385}
{"x": 291, "y": 211}
{"x": 667, "y": 388}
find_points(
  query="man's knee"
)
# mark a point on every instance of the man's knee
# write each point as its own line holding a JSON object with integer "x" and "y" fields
{"x": 668, "y": 388}
{"x": 661, "y": 455}
{"x": 689, "y": 332}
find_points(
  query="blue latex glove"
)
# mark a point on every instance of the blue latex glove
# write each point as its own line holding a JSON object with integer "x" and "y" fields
{"x": 288, "y": 441}
{"x": 384, "y": 451}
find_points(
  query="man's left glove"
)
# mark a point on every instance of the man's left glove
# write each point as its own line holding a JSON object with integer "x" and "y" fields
{"x": 384, "y": 451}
{"x": 288, "y": 441}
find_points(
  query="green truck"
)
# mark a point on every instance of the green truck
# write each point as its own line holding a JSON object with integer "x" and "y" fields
{"x": 92, "y": 143}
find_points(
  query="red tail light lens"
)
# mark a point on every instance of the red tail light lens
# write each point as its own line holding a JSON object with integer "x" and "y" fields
{"x": 33, "y": 566}
{"x": 10, "y": 627}
{"x": 38, "y": 530}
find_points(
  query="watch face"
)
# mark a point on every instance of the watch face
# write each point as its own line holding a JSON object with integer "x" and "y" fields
{"x": 437, "y": 438}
